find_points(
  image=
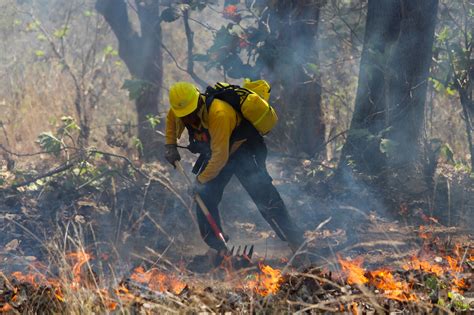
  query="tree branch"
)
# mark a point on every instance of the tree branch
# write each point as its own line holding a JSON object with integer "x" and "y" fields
{"x": 57, "y": 170}
{"x": 190, "y": 41}
{"x": 115, "y": 13}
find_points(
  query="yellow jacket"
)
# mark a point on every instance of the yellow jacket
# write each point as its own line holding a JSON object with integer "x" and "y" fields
{"x": 220, "y": 121}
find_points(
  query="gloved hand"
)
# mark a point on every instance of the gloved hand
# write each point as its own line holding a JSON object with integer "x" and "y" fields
{"x": 196, "y": 188}
{"x": 172, "y": 154}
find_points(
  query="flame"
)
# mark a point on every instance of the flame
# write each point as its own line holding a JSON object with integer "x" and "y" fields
{"x": 157, "y": 280}
{"x": 353, "y": 270}
{"x": 453, "y": 264}
{"x": 33, "y": 278}
{"x": 422, "y": 233}
{"x": 124, "y": 294}
{"x": 230, "y": 10}
{"x": 354, "y": 308}
{"x": 455, "y": 268}
{"x": 80, "y": 258}
{"x": 398, "y": 290}
{"x": 6, "y": 308}
{"x": 109, "y": 302}
{"x": 424, "y": 265}
{"x": 268, "y": 282}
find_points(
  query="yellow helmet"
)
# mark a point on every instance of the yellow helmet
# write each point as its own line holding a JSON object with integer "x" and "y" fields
{"x": 183, "y": 98}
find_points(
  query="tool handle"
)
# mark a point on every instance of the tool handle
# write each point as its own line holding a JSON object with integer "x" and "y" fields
{"x": 180, "y": 168}
{"x": 204, "y": 209}
{"x": 210, "y": 219}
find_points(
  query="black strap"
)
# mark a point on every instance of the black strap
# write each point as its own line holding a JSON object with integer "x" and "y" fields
{"x": 234, "y": 95}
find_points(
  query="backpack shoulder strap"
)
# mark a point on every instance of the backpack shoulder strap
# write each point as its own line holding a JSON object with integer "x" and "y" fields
{"x": 229, "y": 93}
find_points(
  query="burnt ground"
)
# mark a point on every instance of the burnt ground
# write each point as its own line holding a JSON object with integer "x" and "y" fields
{"x": 124, "y": 219}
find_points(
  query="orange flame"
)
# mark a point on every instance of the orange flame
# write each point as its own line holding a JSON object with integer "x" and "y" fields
{"x": 353, "y": 270}
{"x": 455, "y": 267}
{"x": 382, "y": 279}
{"x": 268, "y": 282}
{"x": 33, "y": 278}
{"x": 157, "y": 280}
{"x": 80, "y": 258}
{"x": 354, "y": 308}
{"x": 398, "y": 290}
{"x": 6, "y": 308}
{"x": 424, "y": 265}
{"x": 124, "y": 294}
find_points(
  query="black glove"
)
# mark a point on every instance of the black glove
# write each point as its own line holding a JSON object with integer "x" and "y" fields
{"x": 172, "y": 154}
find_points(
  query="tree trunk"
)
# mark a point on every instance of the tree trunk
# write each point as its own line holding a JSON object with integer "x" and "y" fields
{"x": 389, "y": 111}
{"x": 362, "y": 144}
{"x": 409, "y": 66}
{"x": 468, "y": 112}
{"x": 143, "y": 56}
{"x": 293, "y": 64}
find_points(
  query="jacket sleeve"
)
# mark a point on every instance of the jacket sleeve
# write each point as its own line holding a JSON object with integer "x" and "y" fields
{"x": 170, "y": 131}
{"x": 220, "y": 130}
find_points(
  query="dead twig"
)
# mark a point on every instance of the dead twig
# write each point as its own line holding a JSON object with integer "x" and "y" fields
{"x": 57, "y": 170}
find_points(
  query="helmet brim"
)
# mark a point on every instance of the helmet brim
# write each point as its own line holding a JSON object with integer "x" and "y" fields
{"x": 189, "y": 108}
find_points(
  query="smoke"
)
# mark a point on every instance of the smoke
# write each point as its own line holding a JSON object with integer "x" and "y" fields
{"x": 328, "y": 58}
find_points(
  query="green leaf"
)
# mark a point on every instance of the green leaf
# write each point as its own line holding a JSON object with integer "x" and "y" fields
{"x": 137, "y": 144}
{"x": 136, "y": 88}
{"x": 314, "y": 68}
{"x": 437, "y": 85}
{"x": 224, "y": 42}
{"x": 41, "y": 37}
{"x": 88, "y": 13}
{"x": 153, "y": 120}
{"x": 388, "y": 147}
{"x": 110, "y": 51}
{"x": 446, "y": 152}
{"x": 32, "y": 187}
{"x": 62, "y": 32}
{"x": 431, "y": 283}
{"x": 49, "y": 143}
{"x": 443, "y": 35}
{"x": 69, "y": 125}
{"x": 170, "y": 14}
{"x": 39, "y": 53}
{"x": 450, "y": 91}
{"x": 32, "y": 26}
{"x": 458, "y": 301}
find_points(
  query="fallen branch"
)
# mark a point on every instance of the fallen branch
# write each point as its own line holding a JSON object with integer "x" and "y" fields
{"x": 60, "y": 169}
{"x": 26, "y": 154}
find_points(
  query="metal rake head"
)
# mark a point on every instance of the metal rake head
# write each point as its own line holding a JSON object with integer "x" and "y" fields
{"x": 246, "y": 252}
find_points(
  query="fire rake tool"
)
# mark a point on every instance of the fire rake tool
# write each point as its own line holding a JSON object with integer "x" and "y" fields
{"x": 246, "y": 252}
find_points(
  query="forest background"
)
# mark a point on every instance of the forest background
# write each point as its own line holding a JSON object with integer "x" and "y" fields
{"x": 371, "y": 96}
{"x": 375, "y": 105}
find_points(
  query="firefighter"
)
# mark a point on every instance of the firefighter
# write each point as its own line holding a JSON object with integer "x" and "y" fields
{"x": 230, "y": 146}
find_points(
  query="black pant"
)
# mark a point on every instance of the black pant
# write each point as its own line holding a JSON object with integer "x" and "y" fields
{"x": 248, "y": 164}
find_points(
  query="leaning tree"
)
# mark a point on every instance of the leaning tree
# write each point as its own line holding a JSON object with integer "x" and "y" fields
{"x": 141, "y": 52}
